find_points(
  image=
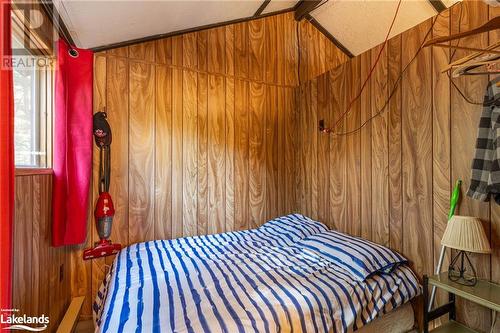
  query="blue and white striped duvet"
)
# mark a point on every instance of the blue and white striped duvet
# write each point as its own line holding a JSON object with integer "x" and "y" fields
{"x": 247, "y": 281}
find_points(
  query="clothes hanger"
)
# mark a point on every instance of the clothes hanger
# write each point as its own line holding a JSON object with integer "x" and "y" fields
{"x": 471, "y": 57}
{"x": 467, "y": 48}
{"x": 472, "y": 69}
{"x": 492, "y": 24}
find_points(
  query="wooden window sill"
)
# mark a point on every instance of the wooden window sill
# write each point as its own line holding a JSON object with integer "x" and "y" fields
{"x": 33, "y": 171}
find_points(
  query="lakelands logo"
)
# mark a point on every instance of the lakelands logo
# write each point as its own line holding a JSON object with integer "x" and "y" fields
{"x": 12, "y": 321}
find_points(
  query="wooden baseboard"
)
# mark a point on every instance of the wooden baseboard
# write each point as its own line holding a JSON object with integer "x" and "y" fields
{"x": 70, "y": 318}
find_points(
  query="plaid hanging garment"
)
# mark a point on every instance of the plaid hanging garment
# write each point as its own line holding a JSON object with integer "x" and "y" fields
{"x": 485, "y": 178}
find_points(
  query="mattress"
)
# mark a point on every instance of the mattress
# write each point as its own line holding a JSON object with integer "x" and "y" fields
{"x": 246, "y": 281}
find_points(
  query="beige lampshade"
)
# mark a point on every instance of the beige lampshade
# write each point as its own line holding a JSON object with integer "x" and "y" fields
{"x": 466, "y": 233}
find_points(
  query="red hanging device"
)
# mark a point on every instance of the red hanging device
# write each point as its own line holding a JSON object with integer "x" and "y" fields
{"x": 104, "y": 210}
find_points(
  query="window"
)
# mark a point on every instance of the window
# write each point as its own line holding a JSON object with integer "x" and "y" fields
{"x": 32, "y": 111}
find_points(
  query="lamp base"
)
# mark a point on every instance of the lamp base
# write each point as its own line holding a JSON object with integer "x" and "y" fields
{"x": 460, "y": 274}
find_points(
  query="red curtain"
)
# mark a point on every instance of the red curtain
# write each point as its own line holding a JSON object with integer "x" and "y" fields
{"x": 6, "y": 159}
{"x": 72, "y": 145}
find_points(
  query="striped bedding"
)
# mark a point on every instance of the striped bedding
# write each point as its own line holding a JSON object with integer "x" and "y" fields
{"x": 247, "y": 281}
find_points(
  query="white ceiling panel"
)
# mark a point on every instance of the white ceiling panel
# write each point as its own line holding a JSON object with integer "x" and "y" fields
{"x": 357, "y": 24}
{"x": 449, "y": 3}
{"x": 277, "y": 5}
{"x": 360, "y": 25}
{"x": 97, "y": 23}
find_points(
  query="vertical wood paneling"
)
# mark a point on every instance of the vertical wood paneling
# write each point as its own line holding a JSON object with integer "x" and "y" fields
{"x": 177, "y": 168}
{"x": 323, "y": 155}
{"x": 216, "y": 154}
{"x": 309, "y": 137}
{"x": 189, "y": 150}
{"x": 143, "y": 51}
{"x": 23, "y": 234}
{"x": 270, "y": 49}
{"x": 230, "y": 134}
{"x": 301, "y": 100}
{"x": 217, "y": 50}
{"x": 303, "y": 50}
{"x": 216, "y": 131}
{"x": 291, "y": 147}
{"x": 204, "y": 135}
{"x": 464, "y": 122}
{"x": 312, "y": 52}
{"x": 189, "y": 135}
{"x": 380, "y": 145}
{"x": 256, "y": 49}
{"x": 229, "y": 155}
{"x": 291, "y": 54}
{"x": 163, "y": 50}
{"x": 337, "y": 152}
{"x": 141, "y": 151}
{"x": 118, "y": 52}
{"x": 36, "y": 237}
{"x": 353, "y": 158}
{"x": 45, "y": 186}
{"x": 417, "y": 151}
{"x": 241, "y": 176}
{"x": 441, "y": 149}
{"x": 271, "y": 149}
{"x": 202, "y": 218}
{"x": 280, "y": 152}
{"x": 241, "y": 53}
{"x": 394, "y": 144}
{"x": 257, "y": 179}
{"x": 163, "y": 153}
{"x": 366, "y": 149}
{"x": 41, "y": 273}
{"x": 312, "y": 147}
{"x": 281, "y": 49}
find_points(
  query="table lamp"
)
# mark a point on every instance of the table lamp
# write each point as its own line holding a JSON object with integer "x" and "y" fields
{"x": 465, "y": 234}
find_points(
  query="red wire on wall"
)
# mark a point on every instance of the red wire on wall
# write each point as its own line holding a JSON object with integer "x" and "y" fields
{"x": 351, "y": 103}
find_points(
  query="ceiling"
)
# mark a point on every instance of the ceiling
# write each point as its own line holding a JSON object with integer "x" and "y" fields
{"x": 357, "y": 24}
{"x": 360, "y": 25}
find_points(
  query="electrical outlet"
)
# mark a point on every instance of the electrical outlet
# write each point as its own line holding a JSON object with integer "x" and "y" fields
{"x": 321, "y": 125}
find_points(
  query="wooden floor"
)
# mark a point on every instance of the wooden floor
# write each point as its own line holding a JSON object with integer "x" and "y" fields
{"x": 86, "y": 326}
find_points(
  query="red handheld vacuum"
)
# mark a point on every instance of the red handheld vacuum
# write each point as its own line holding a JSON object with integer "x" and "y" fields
{"x": 104, "y": 210}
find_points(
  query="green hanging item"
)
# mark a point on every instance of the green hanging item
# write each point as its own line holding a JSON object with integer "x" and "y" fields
{"x": 454, "y": 199}
{"x": 455, "y": 195}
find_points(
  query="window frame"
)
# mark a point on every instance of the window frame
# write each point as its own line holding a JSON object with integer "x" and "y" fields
{"x": 44, "y": 106}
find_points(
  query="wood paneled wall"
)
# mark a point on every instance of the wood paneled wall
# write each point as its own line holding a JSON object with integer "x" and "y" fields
{"x": 391, "y": 180}
{"x": 203, "y": 131}
{"x": 41, "y": 273}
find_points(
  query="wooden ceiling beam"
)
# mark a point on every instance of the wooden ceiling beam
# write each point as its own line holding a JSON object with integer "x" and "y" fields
{"x": 438, "y": 5}
{"x": 261, "y": 8}
{"x": 304, "y": 7}
{"x": 328, "y": 35}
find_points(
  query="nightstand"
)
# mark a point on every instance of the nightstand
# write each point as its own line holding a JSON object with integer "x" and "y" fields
{"x": 483, "y": 293}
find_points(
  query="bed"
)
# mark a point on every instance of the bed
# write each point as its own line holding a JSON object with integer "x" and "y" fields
{"x": 291, "y": 274}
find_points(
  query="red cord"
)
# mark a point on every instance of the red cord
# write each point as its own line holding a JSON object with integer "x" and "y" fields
{"x": 330, "y": 129}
